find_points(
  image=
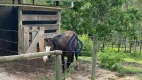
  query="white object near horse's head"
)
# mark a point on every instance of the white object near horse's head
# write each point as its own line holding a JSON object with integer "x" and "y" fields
{"x": 45, "y": 58}
{"x": 47, "y": 48}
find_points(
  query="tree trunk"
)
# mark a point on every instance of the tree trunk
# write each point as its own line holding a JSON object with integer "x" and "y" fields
{"x": 103, "y": 45}
{"x": 130, "y": 46}
{"x": 125, "y": 44}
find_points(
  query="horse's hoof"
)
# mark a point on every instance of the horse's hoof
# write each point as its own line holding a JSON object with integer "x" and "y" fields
{"x": 50, "y": 60}
{"x": 76, "y": 67}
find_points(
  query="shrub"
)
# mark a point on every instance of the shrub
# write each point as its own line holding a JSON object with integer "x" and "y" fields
{"x": 87, "y": 45}
{"x": 110, "y": 60}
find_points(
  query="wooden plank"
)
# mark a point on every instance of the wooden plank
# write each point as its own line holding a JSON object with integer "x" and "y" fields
{"x": 26, "y": 38}
{"x": 48, "y": 8}
{"x": 45, "y": 28}
{"x": 34, "y": 29}
{"x": 30, "y": 35}
{"x": 50, "y": 35}
{"x": 40, "y": 8}
{"x": 20, "y": 45}
{"x": 40, "y": 17}
{"x": 28, "y": 56}
{"x": 58, "y": 22}
{"x": 35, "y": 41}
{"x": 52, "y": 27}
{"x": 43, "y": 25}
{"x": 33, "y": 35}
{"x": 41, "y": 42}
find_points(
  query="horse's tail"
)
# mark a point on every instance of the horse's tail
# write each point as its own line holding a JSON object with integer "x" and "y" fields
{"x": 78, "y": 48}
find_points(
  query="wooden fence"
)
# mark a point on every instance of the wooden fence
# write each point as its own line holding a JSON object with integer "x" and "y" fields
{"x": 57, "y": 53}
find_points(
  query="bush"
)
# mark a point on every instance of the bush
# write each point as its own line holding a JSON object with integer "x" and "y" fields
{"x": 111, "y": 60}
{"x": 87, "y": 45}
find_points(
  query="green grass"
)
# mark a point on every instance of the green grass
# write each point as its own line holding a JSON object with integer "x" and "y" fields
{"x": 84, "y": 59}
{"x": 139, "y": 75}
{"x": 133, "y": 60}
{"x": 130, "y": 69}
{"x": 125, "y": 69}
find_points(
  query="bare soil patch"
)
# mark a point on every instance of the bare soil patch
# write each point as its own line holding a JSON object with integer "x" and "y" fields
{"x": 38, "y": 70}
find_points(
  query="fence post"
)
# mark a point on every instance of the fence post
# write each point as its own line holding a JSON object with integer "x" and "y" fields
{"x": 58, "y": 67}
{"x": 95, "y": 46}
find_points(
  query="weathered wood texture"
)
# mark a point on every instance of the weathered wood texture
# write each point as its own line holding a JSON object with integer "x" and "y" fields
{"x": 35, "y": 41}
{"x": 20, "y": 39}
{"x": 28, "y": 56}
{"x": 38, "y": 23}
{"x": 58, "y": 67}
{"x": 94, "y": 58}
{"x": 40, "y": 17}
{"x": 26, "y": 38}
{"x": 40, "y": 8}
{"x": 41, "y": 42}
{"x": 58, "y": 54}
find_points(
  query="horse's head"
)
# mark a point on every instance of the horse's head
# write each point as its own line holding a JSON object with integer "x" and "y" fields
{"x": 49, "y": 45}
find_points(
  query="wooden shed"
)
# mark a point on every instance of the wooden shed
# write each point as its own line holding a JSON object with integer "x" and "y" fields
{"x": 23, "y": 28}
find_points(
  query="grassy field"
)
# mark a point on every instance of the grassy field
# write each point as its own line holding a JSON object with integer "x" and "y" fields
{"x": 132, "y": 65}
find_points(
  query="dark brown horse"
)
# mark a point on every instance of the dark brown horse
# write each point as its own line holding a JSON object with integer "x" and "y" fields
{"x": 61, "y": 42}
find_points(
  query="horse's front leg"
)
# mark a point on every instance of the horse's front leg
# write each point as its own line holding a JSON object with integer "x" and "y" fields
{"x": 63, "y": 64}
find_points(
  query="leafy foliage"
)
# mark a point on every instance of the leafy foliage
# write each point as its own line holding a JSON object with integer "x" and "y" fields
{"x": 104, "y": 17}
{"x": 87, "y": 45}
{"x": 110, "y": 60}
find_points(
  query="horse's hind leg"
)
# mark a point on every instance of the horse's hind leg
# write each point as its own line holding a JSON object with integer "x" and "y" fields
{"x": 76, "y": 66}
{"x": 76, "y": 56}
{"x": 70, "y": 59}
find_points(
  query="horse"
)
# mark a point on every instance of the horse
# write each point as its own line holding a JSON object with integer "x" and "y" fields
{"x": 65, "y": 42}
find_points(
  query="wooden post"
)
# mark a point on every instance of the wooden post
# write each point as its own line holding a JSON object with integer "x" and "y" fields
{"x": 26, "y": 39}
{"x": 41, "y": 42}
{"x": 95, "y": 47}
{"x": 20, "y": 31}
{"x": 58, "y": 67}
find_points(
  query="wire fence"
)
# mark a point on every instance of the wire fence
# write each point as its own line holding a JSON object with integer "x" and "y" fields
{"x": 121, "y": 44}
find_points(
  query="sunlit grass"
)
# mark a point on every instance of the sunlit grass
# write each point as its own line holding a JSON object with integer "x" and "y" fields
{"x": 133, "y": 60}
{"x": 130, "y": 69}
{"x": 84, "y": 59}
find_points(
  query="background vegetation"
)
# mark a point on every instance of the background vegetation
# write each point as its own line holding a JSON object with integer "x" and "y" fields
{"x": 112, "y": 20}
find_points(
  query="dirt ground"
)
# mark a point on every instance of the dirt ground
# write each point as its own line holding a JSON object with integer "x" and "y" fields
{"x": 38, "y": 70}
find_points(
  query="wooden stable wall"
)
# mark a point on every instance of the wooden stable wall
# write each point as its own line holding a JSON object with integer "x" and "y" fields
{"x": 36, "y": 24}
